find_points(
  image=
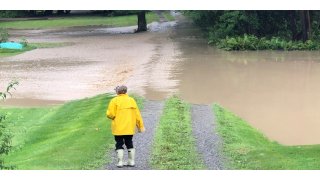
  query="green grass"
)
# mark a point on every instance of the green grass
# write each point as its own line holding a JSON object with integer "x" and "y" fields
{"x": 31, "y": 46}
{"x": 168, "y": 16}
{"x": 77, "y": 21}
{"x": 247, "y": 148}
{"x": 174, "y": 145}
{"x": 75, "y": 135}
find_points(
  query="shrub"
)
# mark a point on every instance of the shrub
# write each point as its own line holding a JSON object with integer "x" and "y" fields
{"x": 5, "y": 141}
{"x": 4, "y": 35}
{"x": 5, "y": 134}
{"x": 24, "y": 42}
{"x": 251, "y": 42}
{"x": 12, "y": 14}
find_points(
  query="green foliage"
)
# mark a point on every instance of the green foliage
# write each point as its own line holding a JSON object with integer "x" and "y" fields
{"x": 283, "y": 24}
{"x": 251, "y": 42}
{"x": 4, "y": 35}
{"x": 12, "y": 14}
{"x": 24, "y": 42}
{"x": 247, "y": 148}
{"x": 168, "y": 16}
{"x": 120, "y": 12}
{"x": 5, "y": 134}
{"x": 11, "y": 85}
{"x": 5, "y": 141}
{"x": 174, "y": 145}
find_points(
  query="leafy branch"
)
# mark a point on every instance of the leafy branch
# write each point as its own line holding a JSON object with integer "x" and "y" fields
{"x": 12, "y": 85}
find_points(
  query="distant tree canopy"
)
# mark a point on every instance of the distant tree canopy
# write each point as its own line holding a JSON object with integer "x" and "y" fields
{"x": 291, "y": 25}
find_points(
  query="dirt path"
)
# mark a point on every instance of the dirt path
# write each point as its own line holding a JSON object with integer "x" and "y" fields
{"x": 208, "y": 142}
{"x": 143, "y": 141}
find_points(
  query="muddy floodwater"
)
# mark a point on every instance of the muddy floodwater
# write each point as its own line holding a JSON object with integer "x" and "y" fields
{"x": 277, "y": 92}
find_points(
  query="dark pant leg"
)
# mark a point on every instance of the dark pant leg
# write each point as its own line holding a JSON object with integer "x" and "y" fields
{"x": 128, "y": 141}
{"x": 119, "y": 142}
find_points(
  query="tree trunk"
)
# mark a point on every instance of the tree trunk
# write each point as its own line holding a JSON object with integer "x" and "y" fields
{"x": 309, "y": 29}
{"x": 293, "y": 25}
{"x": 142, "y": 23}
{"x": 306, "y": 25}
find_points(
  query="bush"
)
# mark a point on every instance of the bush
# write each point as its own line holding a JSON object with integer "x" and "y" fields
{"x": 5, "y": 141}
{"x": 251, "y": 42}
{"x": 5, "y": 134}
{"x": 11, "y": 14}
{"x": 4, "y": 35}
{"x": 24, "y": 42}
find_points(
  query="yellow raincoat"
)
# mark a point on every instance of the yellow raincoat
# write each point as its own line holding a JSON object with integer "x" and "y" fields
{"x": 125, "y": 115}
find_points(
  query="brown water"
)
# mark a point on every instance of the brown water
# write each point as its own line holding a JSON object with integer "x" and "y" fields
{"x": 275, "y": 91}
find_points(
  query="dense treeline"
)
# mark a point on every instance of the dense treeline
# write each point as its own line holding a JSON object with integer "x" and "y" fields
{"x": 39, "y": 13}
{"x": 287, "y": 26}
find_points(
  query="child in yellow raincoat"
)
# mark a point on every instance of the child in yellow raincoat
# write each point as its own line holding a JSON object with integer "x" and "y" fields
{"x": 125, "y": 116}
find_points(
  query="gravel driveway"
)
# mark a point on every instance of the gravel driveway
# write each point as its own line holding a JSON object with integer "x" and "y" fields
{"x": 208, "y": 142}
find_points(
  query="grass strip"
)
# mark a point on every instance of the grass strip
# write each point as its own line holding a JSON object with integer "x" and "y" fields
{"x": 174, "y": 145}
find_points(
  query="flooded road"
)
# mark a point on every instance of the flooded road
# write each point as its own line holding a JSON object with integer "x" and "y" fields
{"x": 277, "y": 92}
{"x": 96, "y": 60}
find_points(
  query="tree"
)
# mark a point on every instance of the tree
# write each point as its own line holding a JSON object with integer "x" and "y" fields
{"x": 142, "y": 22}
{"x": 305, "y": 25}
{"x": 5, "y": 135}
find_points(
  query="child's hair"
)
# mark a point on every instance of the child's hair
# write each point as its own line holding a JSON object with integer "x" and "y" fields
{"x": 121, "y": 89}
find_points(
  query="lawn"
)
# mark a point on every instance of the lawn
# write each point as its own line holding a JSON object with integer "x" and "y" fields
{"x": 31, "y": 46}
{"x": 118, "y": 21}
{"x": 174, "y": 144}
{"x": 247, "y": 148}
{"x": 168, "y": 16}
{"x": 75, "y": 135}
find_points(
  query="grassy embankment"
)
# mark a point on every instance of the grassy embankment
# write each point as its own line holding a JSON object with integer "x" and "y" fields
{"x": 75, "y": 135}
{"x": 174, "y": 145}
{"x": 63, "y": 22}
{"x": 247, "y": 148}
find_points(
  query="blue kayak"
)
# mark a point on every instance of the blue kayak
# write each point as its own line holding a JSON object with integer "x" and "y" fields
{"x": 11, "y": 45}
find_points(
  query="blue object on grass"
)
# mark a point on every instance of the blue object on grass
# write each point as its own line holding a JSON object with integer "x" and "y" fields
{"x": 11, "y": 45}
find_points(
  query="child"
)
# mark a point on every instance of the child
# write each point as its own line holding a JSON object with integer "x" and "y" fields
{"x": 125, "y": 116}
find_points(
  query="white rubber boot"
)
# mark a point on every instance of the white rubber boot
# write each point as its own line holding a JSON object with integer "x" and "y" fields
{"x": 131, "y": 155}
{"x": 120, "y": 157}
